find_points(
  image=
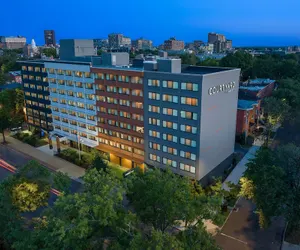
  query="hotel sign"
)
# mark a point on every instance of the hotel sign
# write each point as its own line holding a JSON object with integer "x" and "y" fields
{"x": 227, "y": 87}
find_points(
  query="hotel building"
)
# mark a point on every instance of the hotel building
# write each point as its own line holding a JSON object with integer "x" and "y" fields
{"x": 162, "y": 114}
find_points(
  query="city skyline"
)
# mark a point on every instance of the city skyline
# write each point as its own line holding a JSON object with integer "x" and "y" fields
{"x": 258, "y": 24}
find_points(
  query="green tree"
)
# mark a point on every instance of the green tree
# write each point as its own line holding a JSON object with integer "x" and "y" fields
{"x": 275, "y": 189}
{"x": 276, "y": 111}
{"x": 156, "y": 197}
{"x": 239, "y": 59}
{"x": 190, "y": 59}
{"x": 98, "y": 163}
{"x": 155, "y": 240}
{"x": 27, "y": 197}
{"x": 50, "y": 52}
{"x": 5, "y": 122}
{"x": 62, "y": 182}
{"x": 196, "y": 237}
{"x": 209, "y": 62}
{"x": 84, "y": 220}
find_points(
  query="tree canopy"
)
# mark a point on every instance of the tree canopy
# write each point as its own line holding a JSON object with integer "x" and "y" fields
{"x": 272, "y": 182}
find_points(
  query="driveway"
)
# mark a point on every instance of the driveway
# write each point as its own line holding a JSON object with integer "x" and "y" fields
{"x": 242, "y": 232}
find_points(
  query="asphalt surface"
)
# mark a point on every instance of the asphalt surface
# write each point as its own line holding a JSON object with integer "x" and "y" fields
{"x": 242, "y": 231}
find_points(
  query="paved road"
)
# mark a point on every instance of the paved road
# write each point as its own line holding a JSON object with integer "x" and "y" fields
{"x": 18, "y": 159}
{"x": 242, "y": 231}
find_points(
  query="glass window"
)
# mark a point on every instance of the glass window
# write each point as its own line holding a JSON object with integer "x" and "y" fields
{"x": 189, "y": 86}
{"x": 169, "y": 150}
{"x": 138, "y": 105}
{"x": 154, "y": 83}
{"x": 188, "y": 142}
{"x": 100, "y": 76}
{"x": 171, "y": 138}
{"x": 137, "y": 79}
{"x": 171, "y": 125}
{"x": 188, "y": 168}
{"x": 189, "y": 129}
{"x": 154, "y": 121}
{"x": 168, "y": 111}
{"x": 170, "y": 84}
{"x": 154, "y": 96}
{"x": 154, "y": 133}
{"x": 170, "y": 98}
{"x": 154, "y": 109}
{"x": 154, "y": 157}
{"x": 154, "y": 146}
{"x": 188, "y": 155}
{"x": 188, "y": 115}
{"x": 169, "y": 162}
{"x": 189, "y": 101}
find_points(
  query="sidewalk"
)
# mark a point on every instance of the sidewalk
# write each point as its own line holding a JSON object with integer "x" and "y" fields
{"x": 240, "y": 168}
{"x": 51, "y": 162}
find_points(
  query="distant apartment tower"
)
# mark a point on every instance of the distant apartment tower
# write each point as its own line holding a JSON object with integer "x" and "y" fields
{"x": 49, "y": 36}
{"x": 115, "y": 40}
{"x": 214, "y": 37}
{"x": 173, "y": 44}
{"x": 142, "y": 44}
{"x": 12, "y": 42}
{"x": 126, "y": 42}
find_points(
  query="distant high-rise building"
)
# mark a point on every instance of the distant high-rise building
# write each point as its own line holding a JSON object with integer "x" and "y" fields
{"x": 12, "y": 42}
{"x": 115, "y": 40}
{"x": 173, "y": 44}
{"x": 214, "y": 37}
{"x": 220, "y": 42}
{"x": 126, "y": 42}
{"x": 142, "y": 44}
{"x": 50, "y": 37}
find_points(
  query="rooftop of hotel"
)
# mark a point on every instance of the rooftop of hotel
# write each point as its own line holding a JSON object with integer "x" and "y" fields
{"x": 246, "y": 104}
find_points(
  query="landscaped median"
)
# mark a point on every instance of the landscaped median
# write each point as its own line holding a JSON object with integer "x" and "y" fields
{"x": 85, "y": 160}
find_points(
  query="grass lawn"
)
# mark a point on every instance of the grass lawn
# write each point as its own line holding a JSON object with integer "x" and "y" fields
{"x": 117, "y": 170}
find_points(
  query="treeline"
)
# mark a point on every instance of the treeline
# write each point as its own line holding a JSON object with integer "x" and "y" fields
{"x": 265, "y": 66}
{"x": 140, "y": 212}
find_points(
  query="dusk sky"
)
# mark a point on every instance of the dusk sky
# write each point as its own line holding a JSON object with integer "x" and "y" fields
{"x": 255, "y": 22}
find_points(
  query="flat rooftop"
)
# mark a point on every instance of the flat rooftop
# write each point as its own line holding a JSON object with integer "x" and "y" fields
{"x": 246, "y": 104}
{"x": 202, "y": 70}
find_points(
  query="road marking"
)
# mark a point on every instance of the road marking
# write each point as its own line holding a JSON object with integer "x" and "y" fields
{"x": 234, "y": 238}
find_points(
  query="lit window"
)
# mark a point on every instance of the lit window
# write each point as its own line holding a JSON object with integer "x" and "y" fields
{"x": 154, "y": 96}
{"x": 188, "y": 142}
{"x": 169, "y": 150}
{"x": 168, "y": 111}
{"x": 154, "y": 146}
{"x": 154, "y": 157}
{"x": 188, "y": 155}
{"x": 171, "y": 125}
{"x": 187, "y": 168}
{"x": 170, "y": 84}
{"x": 171, "y": 138}
{"x": 154, "y": 109}
{"x": 154, "y": 121}
{"x": 189, "y": 101}
{"x": 136, "y": 79}
{"x": 100, "y": 76}
{"x": 188, "y": 115}
{"x": 170, "y": 98}
{"x": 154, "y": 133}
{"x": 189, "y": 129}
{"x": 189, "y": 86}
{"x": 137, "y": 92}
{"x": 154, "y": 83}
{"x": 138, "y": 105}
{"x": 169, "y": 162}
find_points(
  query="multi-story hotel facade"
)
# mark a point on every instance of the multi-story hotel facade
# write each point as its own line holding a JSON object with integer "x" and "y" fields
{"x": 163, "y": 114}
{"x": 73, "y": 102}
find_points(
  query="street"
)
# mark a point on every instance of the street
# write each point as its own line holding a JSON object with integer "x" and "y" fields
{"x": 18, "y": 159}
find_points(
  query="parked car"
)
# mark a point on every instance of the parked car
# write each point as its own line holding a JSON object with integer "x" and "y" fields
{"x": 13, "y": 131}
